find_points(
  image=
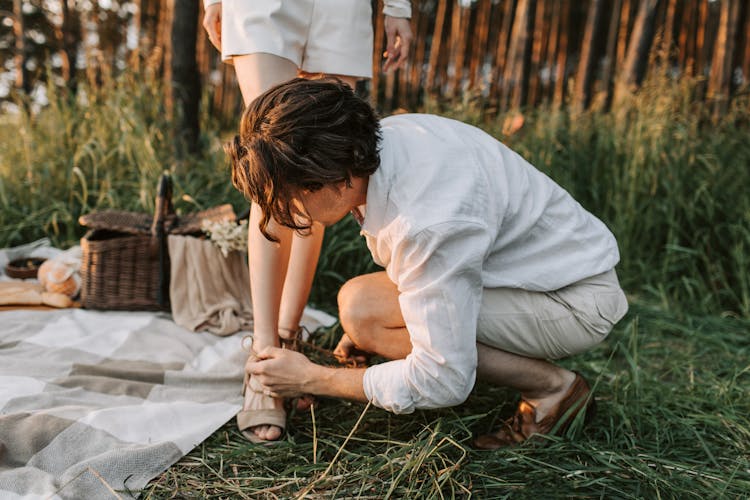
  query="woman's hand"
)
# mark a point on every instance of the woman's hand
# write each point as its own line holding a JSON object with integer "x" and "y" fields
{"x": 212, "y": 24}
{"x": 399, "y": 37}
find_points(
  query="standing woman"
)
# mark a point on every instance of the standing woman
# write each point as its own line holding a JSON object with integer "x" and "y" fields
{"x": 269, "y": 42}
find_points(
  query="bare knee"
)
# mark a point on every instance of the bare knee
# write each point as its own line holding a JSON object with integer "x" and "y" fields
{"x": 355, "y": 307}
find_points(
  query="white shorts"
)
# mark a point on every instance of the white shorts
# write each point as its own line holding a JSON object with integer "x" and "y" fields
{"x": 319, "y": 36}
{"x": 551, "y": 325}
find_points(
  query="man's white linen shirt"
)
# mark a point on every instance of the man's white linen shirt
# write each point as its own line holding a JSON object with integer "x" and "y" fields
{"x": 449, "y": 212}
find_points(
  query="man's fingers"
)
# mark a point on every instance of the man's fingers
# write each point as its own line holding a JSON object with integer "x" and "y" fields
{"x": 342, "y": 351}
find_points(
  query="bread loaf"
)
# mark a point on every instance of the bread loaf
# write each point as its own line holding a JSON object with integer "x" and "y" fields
{"x": 53, "y": 299}
{"x": 20, "y": 293}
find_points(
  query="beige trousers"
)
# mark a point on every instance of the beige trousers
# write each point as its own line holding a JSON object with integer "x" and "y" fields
{"x": 551, "y": 325}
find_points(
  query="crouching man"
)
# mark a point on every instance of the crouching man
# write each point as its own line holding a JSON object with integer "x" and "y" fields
{"x": 491, "y": 269}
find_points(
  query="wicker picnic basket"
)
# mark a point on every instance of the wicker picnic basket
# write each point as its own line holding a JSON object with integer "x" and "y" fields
{"x": 125, "y": 263}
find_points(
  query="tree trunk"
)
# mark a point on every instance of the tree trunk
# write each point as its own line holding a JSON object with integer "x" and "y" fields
{"x": 417, "y": 62}
{"x": 638, "y": 48}
{"x": 610, "y": 61}
{"x": 624, "y": 31}
{"x": 149, "y": 14}
{"x": 379, "y": 46}
{"x": 719, "y": 83}
{"x": 582, "y": 93}
{"x": 562, "y": 56}
{"x": 516, "y": 72}
{"x": 459, "y": 32}
{"x": 701, "y": 39}
{"x": 23, "y": 82}
{"x": 162, "y": 57}
{"x": 501, "y": 60}
{"x": 479, "y": 46}
{"x": 668, "y": 34}
{"x": 552, "y": 47}
{"x": 436, "y": 45}
{"x": 185, "y": 77}
{"x": 687, "y": 38}
{"x": 539, "y": 32}
{"x": 70, "y": 38}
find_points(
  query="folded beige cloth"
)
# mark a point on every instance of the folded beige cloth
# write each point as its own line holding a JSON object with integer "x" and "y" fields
{"x": 207, "y": 291}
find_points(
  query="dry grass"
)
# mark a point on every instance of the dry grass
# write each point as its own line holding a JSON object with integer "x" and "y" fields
{"x": 671, "y": 380}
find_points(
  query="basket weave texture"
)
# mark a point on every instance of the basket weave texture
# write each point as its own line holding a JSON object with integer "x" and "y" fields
{"x": 125, "y": 263}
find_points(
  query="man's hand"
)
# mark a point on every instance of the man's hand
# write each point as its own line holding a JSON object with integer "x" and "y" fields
{"x": 348, "y": 354}
{"x": 212, "y": 24}
{"x": 285, "y": 373}
{"x": 281, "y": 372}
{"x": 399, "y": 36}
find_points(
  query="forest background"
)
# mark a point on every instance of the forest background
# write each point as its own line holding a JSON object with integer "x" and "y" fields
{"x": 640, "y": 108}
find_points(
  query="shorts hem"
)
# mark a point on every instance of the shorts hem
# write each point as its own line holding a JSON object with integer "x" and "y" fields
{"x": 353, "y": 70}
{"x": 231, "y": 55}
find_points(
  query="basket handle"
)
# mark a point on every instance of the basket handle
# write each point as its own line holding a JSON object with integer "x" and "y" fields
{"x": 163, "y": 205}
{"x": 162, "y": 208}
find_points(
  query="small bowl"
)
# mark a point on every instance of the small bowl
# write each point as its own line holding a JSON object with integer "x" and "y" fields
{"x": 23, "y": 268}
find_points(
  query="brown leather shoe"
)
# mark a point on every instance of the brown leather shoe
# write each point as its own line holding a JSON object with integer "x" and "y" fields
{"x": 523, "y": 424}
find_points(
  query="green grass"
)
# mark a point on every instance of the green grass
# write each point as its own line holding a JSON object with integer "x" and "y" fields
{"x": 672, "y": 422}
{"x": 671, "y": 380}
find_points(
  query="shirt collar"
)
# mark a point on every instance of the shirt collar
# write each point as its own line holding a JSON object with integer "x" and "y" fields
{"x": 379, "y": 187}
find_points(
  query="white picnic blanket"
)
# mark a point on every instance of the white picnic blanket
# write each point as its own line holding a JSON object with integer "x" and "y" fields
{"x": 96, "y": 404}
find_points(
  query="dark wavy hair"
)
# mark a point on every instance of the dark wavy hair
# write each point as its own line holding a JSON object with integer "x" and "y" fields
{"x": 302, "y": 134}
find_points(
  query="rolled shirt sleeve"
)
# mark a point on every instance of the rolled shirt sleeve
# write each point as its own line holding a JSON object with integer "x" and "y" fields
{"x": 438, "y": 273}
{"x": 207, "y": 3}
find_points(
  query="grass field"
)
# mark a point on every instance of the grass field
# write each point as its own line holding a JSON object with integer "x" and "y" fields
{"x": 671, "y": 381}
{"x": 672, "y": 422}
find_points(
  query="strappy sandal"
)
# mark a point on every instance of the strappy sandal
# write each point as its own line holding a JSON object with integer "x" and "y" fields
{"x": 292, "y": 341}
{"x": 248, "y": 419}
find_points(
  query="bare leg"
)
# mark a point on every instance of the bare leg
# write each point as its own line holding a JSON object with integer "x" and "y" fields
{"x": 281, "y": 274}
{"x": 257, "y": 73}
{"x": 303, "y": 260}
{"x": 267, "y": 261}
{"x": 371, "y": 317}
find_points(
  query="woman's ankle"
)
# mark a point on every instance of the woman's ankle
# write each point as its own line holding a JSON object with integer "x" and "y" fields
{"x": 288, "y": 333}
{"x": 261, "y": 342}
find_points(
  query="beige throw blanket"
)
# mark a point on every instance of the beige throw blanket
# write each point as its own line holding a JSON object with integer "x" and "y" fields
{"x": 92, "y": 401}
{"x": 207, "y": 291}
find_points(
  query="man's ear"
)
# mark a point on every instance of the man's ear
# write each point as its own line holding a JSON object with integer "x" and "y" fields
{"x": 342, "y": 186}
